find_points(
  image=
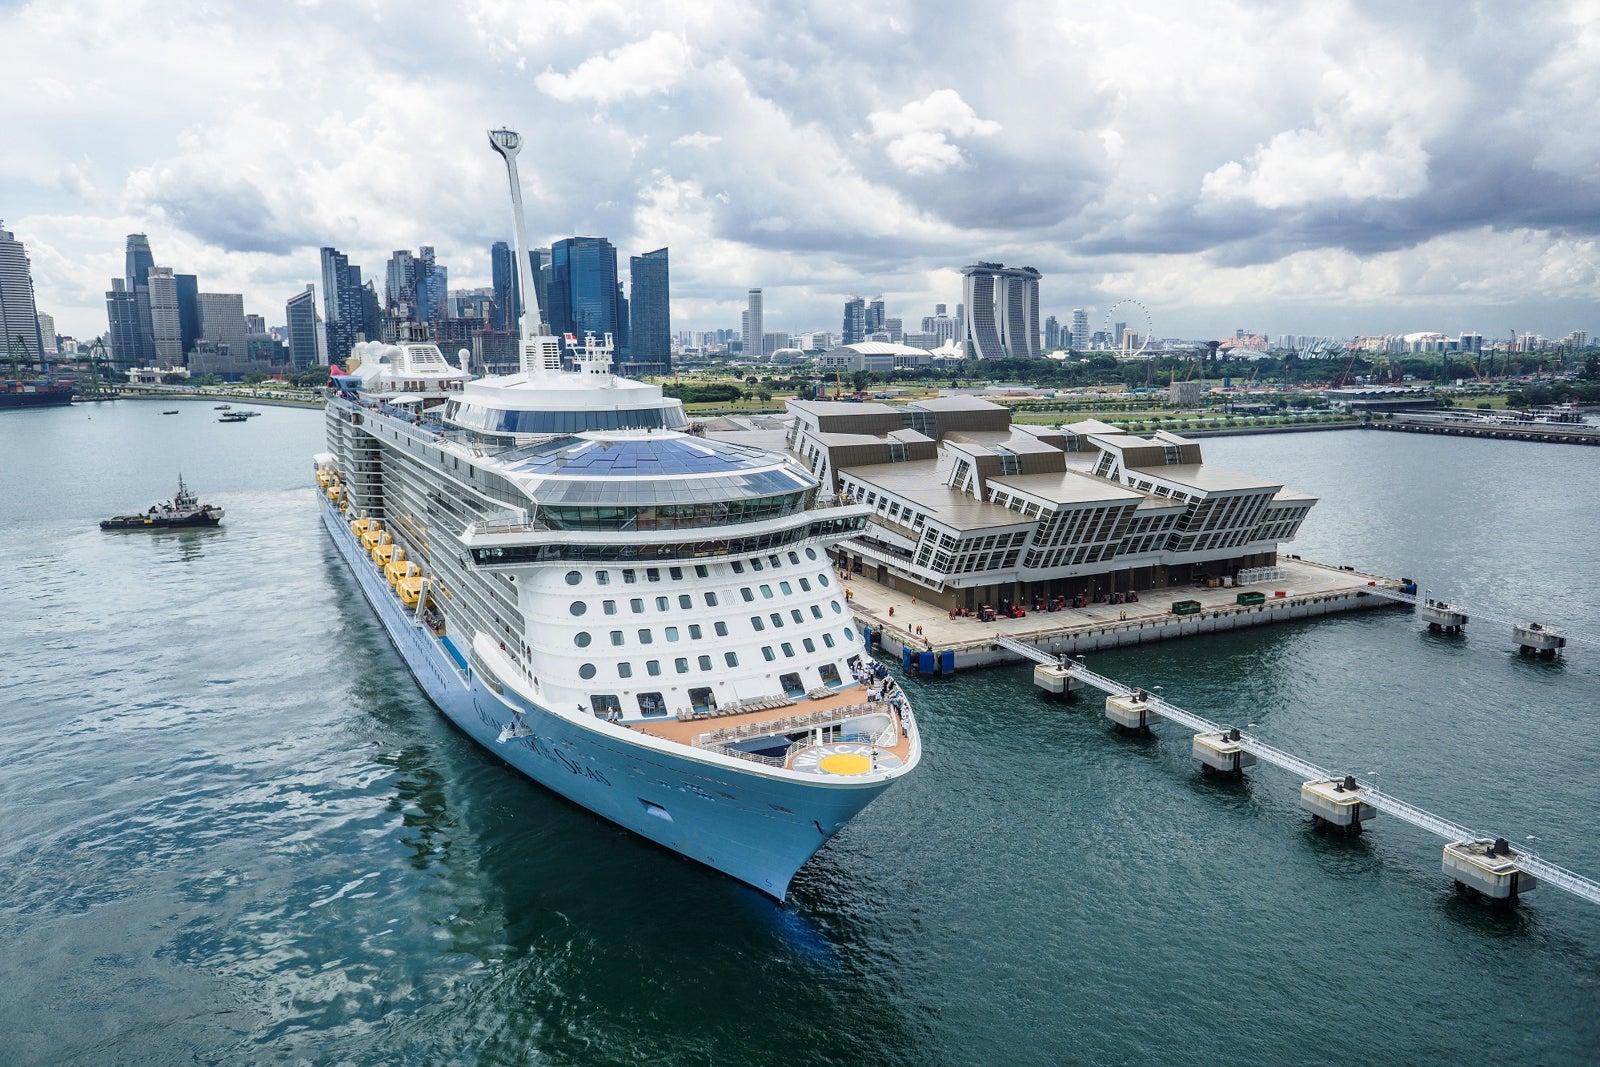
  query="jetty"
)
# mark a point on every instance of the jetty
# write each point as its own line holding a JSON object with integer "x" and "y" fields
{"x": 929, "y": 640}
{"x": 1485, "y": 864}
{"x": 1532, "y": 638}
{"x": 1464, "y": 425}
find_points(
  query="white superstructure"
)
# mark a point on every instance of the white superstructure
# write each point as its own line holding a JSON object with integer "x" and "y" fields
{"x": 642, "y": 619}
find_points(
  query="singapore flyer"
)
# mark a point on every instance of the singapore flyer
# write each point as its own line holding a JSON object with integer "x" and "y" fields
{"x": 1138, "y": 323}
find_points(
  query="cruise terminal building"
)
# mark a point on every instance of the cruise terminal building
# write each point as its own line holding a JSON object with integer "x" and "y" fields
{"x": 969, "y": 510}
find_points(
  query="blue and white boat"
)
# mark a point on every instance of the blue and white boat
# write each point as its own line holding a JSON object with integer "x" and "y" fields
{"x": 639, "y": 617}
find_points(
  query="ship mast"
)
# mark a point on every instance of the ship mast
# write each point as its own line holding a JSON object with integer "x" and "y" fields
{"x": 539, "y": 354}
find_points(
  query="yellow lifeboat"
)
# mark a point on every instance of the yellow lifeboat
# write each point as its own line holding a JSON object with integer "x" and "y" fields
{"x": 410, "y": 590}
{"x": 372, "y": 536}
{"x": 400, "y": 568}
{"x": 382, "y": 554}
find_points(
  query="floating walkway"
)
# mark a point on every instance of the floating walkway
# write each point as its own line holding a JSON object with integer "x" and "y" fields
{"x": 1488, "y": 865}
{"x": 1532, "y": 638}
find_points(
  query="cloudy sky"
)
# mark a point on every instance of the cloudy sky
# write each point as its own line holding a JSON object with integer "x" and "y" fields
{"x": 1321, "y": 166}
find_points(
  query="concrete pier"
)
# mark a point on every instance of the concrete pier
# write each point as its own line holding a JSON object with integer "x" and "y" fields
{"x": 1488, "y": 868}
{"x": 1222, "y": 752}
{"x": 1337, "y": 802}
{"x": 1442, "y": 617}
{"x": 1056, "y": 681}
{"x": 1534, "y": 639}
{"x": 1131, "y": 712}
{"x": 1305, "y": 590}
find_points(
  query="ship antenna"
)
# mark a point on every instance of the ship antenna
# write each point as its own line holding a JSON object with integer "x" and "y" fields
{"x": 538, "y": 353}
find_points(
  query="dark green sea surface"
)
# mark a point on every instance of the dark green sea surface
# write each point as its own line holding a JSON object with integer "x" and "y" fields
{"x": 232, "y": 831}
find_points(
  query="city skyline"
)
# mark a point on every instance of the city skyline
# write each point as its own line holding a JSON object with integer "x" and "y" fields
{"x": 1312, "y": 167}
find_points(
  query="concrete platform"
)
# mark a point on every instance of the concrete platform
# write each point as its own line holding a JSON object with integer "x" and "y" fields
{"x": 1309, "y": 590}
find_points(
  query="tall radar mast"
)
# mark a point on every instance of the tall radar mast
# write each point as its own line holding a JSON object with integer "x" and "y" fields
{"x": 536, "y": 353}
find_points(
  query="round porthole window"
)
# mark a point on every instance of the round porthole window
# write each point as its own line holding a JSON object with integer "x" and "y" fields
{"x": 574, "y": 577}
{"x": 578, "y": 607}
{"x": 582, "y": 639}
{"x": 586, "y": 671}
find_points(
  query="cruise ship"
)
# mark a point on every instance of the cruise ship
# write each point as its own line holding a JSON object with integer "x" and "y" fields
{"x": 639, "y": 617}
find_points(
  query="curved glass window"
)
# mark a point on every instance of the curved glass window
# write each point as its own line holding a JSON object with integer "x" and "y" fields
{"x": 586, "y": 671}
{"x": 578, "y": 607}
{"x": 837, "y": 607}
{"x": 573, "y": 577}
{"x": 476, "y": 416}
{"x": 811, "y": 553}
{"x": 823, "y": 578}
{"x": 849, "y": 634}
{"x": 582, "y": 639}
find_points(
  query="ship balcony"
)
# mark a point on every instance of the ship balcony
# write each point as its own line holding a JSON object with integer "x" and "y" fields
{"x": 831, "y": 733}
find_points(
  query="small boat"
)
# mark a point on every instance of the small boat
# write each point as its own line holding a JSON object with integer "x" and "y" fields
{"x": 222, "y": 407}
{"x": 174, "y": 411}
{"x": 234, "y": 416}
{"x": 182, "y": 510}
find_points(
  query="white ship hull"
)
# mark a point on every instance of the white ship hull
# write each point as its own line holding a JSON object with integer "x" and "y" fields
{"x": 758, "y": 827}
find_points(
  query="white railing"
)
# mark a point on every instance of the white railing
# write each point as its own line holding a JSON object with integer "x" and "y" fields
{"x": 1554, "y": 875}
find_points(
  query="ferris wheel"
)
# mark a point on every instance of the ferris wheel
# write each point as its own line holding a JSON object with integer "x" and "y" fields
{"x": 1137, "y": 327}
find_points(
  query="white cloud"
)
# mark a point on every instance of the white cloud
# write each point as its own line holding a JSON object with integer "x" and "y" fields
{"x": 1349, "y": 149}
{"x": 652, "y": 65}
{"x": 918, "y": 133}
{"x": 696, "y": 140}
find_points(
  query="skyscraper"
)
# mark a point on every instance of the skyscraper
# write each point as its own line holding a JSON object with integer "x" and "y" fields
{"x": 47, "y": 333}
{"x": 751, "y": 341}
{"x": 1080, "y": 329}
{"x": 983, "y": 331}
{"x": 583, "y": 288}
{"x": 1018, "y": 312}
{"x": 122, "y": 318}
{"x": 19, "y": 316}
{"x": 188, "y": 287}
{"x": 650, "y": 336}
{"x": 300, "y": 312}
{"x": 165, "y": 322}
{"x": 854, "y": 329}
{"x": 137, "y": 261}
{"x": 342, "y": 304}
{"x": 1052, "y": 333}
{"x": 503, "y": 268}
{"x": 400, "y": 282}
{"x": 875, "y": 314}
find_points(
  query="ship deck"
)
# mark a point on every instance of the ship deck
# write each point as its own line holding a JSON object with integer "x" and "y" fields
{"x": 804, "y": 713}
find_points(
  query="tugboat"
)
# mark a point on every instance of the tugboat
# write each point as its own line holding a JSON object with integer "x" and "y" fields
{"x": 184, "y": 509}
